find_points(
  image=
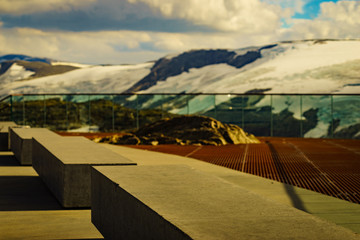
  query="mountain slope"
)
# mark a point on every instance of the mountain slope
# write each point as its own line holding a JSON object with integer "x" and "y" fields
{"x": 292, "y": 67}
{"x": 313, "y": 66}
{"x": 169, "y": 67}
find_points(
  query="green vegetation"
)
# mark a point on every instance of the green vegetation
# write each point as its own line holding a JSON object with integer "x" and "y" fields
{"x": 62, "y": 115}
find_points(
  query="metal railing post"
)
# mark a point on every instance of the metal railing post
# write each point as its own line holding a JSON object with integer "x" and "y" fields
{"x": 89, "y": 113}
{"x": 113, "y": 113}
{"x": 44, "y": 98}
{"x": 332, "y": 116}
{"x": 301, "y": 118}
{"x": 137, "y": 112}
{"x": 242, "y": 112}
{"x": 67, "y": 115}
{"x": 271, "y": 117}
{"x": 11, "y": 108}
{"x": 23, "y": 108}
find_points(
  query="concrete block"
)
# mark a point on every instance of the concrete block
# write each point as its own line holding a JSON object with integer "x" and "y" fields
{"x": 4, "y": 135}
{"x": 178, "y": 202}
{"x": 21, "y": 142}
{"x": 64, "y": 165}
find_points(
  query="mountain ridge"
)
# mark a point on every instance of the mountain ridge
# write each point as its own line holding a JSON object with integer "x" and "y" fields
{"x": 164, "y": 67}
{"x": 303, "y": 66}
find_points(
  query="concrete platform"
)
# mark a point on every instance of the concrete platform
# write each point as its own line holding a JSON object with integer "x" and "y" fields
{"x": 28, "y": 210}
{"x": 328, "y": 208}
{"x": 21, "y": 142}
{"x": 64, "y": 165}
{"x": 179, "y": 202}
{"x": 4, "y": 135}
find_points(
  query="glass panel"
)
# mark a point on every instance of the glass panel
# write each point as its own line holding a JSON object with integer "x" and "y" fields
{"x": 176, "y": 104}
{"x": 346, "y": 114}
{"x": 34, "y": 110}
{"x": 230, "y": 109}
{"x": 17, "y": 110}
{"x": 286, "y": 116}
{"x": 263, "y": 115}
{"x": 316, "y": 116}
{"x": 257, "y": 115}
{"x": 150, "y": 109}
{"x": 78, "y": 115}
{"x": 125, "y": 112}
{"x": 101, "y": 111}
{"x": 202, "y": 105}
{"x": 5, "y": 109}
{"x": 56, "y": 112}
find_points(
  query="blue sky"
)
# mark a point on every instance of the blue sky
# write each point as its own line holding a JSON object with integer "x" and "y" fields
{"x": 133, "y": 31}
{"x": 311, "y": 9}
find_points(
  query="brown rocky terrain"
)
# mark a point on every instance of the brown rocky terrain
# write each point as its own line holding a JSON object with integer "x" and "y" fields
{"x": 184, "y": 130}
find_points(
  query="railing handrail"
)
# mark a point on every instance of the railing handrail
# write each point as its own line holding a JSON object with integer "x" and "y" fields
{"x": 4, "y": 98}
{"x": 181, "y": 94}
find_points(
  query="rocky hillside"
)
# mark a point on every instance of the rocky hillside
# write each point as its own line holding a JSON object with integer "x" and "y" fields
{"x": 185, "y": 130}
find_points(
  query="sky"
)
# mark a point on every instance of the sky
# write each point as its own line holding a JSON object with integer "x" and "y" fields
{"x": 136, "y": 31}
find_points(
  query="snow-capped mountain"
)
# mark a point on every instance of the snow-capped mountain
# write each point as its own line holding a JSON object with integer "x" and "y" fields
{"x": 313, "y": 66}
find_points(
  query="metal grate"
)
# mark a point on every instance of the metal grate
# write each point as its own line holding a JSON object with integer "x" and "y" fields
{"x": 330, "y": 167}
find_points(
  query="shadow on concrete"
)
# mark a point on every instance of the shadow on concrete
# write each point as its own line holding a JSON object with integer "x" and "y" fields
{"x": 82, "y": 239}
{"x": 290, "y": 190}
{"x": 19, "y": 193}
{"x": 8, "y": 160}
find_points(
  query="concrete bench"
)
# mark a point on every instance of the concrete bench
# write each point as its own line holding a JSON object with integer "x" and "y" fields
{"x": 64, "y": 165}
{"x": 21, "y": 142}
{"x": 178, "y": 202}
{"x": 4, "y": 135}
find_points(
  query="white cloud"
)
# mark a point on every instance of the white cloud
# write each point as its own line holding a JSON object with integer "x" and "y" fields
{"x": 335, "y": 20}
{"x": 225, "y": 15}
{"x": 34, "y": 6}
{"x": 345, "y": 12}
{"x": 116, "y": 47}
{"x": 83, "y": 47}
{"x": 295, "y": 5}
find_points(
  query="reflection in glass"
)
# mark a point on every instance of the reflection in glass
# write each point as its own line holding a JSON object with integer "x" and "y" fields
{"x": 34, "y": 110}
{"x": 286, "y": 116}
{"x": 101, "y": 113}
{"x": 263, "y": 115}
{"x": 78, "y": 113}
{"x": 56, "y": 112}
{"x": 346, "y": 115}
{"x": 125, "y": 112}
{"x": 5, "y": 109}
{"x": 257, "y": 114}
{"x": 317, "y": 116}
{"x": 150, "y": 109}
{"x": 230, "y": 109}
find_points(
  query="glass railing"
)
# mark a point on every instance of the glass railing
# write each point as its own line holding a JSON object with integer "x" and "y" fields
{"x": 6, "y": 108}
{"x": 316, "y": 116}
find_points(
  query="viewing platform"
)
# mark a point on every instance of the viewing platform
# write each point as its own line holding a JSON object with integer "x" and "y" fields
{"x": 28, "y": 210}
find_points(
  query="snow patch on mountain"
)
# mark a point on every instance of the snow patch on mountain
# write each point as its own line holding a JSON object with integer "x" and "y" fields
{"x": 78, "y": 65}
{"x": 302, "y": 67}
{"x": 95, "y": 79}
{"x": 15, "y": 73}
